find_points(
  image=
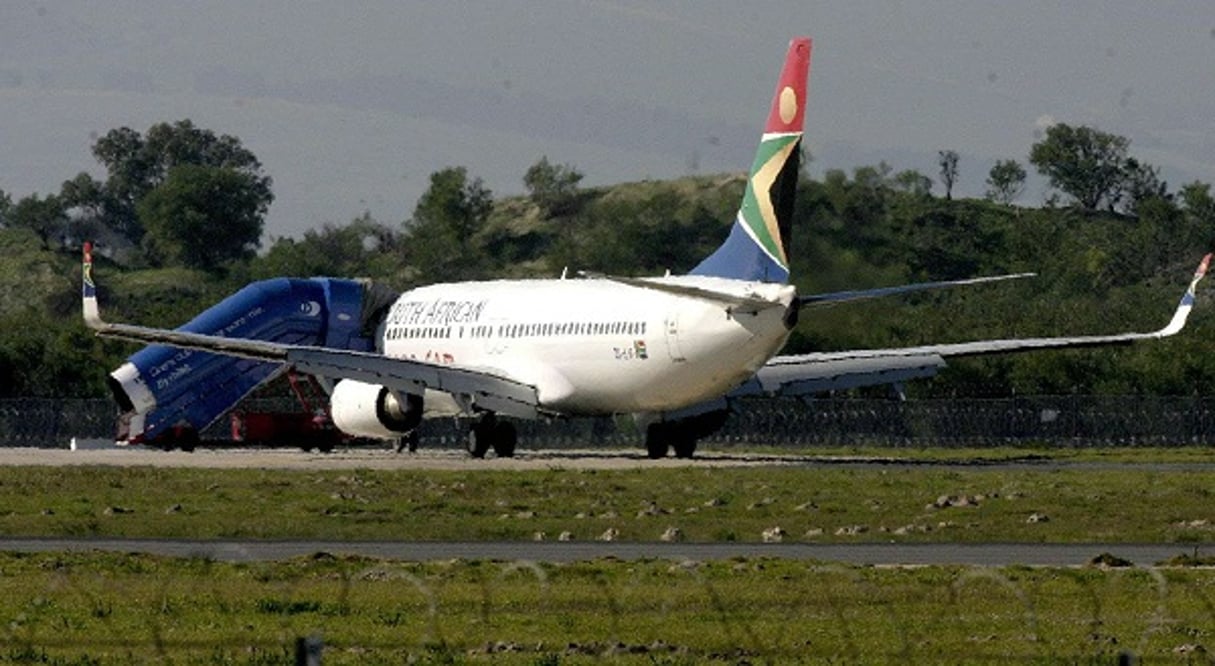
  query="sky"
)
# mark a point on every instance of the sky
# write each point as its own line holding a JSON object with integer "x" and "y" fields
{"x": 351, "y": 106}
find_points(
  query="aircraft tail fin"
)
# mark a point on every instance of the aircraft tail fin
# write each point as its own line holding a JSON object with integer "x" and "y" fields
{"x": 758, "y": 243}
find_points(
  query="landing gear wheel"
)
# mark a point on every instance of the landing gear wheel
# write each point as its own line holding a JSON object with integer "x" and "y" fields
{"x": 656, "y": 450}
{"x": 656, "y": 442}
{"x": 685, "y": 446}
{"x": 481, "y": 437}
{"x": 189, "y": 440}
{"x": 504, "y": 439}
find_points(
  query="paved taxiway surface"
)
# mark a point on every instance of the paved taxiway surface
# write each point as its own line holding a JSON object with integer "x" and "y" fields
{"x": 370, "y": 458}
{"x": 450, "y": 459}
{"x": 863, "y": 554}
{"x": 458, "y": 460}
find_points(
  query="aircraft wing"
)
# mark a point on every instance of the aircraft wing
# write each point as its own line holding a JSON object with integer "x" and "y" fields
{"x": 804, "y": 374}
{"x": 488, "y": 390}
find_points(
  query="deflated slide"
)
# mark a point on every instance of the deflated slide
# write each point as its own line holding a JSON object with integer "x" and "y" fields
{"x": 162, "y": 388}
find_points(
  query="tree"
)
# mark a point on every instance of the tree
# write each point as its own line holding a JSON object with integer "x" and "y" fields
{"x": 447, "y": 216}
{"x": 364, "y": 248}
{"x": 1198, "y": 211}
{"x": 1197, "y": 202}
{"x": 1083, "y": 162}
{"x": 137, "y": 164}
{"x": 948, "y": 161}
{"x": 1140, "y": 182}
{"x": 6, "y": 203}
{"x": 203, "y": 216}
{"x": 913, "y": 182}
{"x": 1005, "y": 181}
{"x": 554, "y": 188}
{"x": 43, "y": 216}
{"x": 84, "y": 203}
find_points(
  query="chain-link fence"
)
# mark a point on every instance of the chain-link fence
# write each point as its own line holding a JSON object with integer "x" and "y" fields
{"x": 77, "y": 609}
{"x": 52, "y": 422}
{"x": 1051, "y": 420}
{"x": 1054, "y": 420}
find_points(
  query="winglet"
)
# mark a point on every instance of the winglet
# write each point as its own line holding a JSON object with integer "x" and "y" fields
{"x": 1187, "y": 302}
{"x": 92, "y": 314}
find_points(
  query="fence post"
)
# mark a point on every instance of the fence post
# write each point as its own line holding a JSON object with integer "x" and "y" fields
{"x": 308, "y": 650}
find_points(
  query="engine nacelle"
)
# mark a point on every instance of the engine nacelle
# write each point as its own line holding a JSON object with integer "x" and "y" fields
{"x": 371, "y": 410}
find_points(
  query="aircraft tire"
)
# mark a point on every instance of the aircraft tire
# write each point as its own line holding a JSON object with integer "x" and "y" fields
{"x": 481, "y": 437}
{"x": 505, "y": 437}
{"x": 685, "y": 446}
{"x": 478, "y": 446}
{"x": 656, "y": 441}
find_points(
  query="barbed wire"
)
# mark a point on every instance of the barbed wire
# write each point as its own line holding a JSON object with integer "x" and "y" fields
{"x": 384, "y": 611}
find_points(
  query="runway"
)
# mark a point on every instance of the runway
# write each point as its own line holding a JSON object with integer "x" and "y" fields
{"x": 937, "y": 554}
{"x": 577, "y": 459}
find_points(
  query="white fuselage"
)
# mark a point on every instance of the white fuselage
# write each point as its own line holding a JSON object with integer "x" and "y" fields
{"x": 593, "y": 346}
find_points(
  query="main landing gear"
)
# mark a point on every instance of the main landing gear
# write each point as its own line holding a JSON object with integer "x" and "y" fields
{"x": 660, "y": 438}
{"x": 488, "y": 432}
{"x": 682, "y": 434}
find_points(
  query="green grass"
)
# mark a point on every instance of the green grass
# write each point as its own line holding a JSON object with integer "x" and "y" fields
{"x": 1109, "y": 504}
{"x": 1039, "y": 453}
{"x": 106, "y": 608}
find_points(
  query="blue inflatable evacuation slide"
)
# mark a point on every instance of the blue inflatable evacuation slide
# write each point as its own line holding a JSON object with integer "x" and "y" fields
{"x": 161, "y": 388}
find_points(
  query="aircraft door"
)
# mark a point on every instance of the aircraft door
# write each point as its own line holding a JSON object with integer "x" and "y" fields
{"x": 672, "y": 335}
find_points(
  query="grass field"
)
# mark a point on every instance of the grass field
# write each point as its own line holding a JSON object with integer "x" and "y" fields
{"x": 1114, "y": 503}
{"x": 103, "y": 608}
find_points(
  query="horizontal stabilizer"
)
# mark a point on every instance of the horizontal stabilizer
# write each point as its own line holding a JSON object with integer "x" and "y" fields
{"x": 863, "y": 294}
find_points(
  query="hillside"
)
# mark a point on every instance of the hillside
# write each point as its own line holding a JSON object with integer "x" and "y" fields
{"x": 1097, "y": 273}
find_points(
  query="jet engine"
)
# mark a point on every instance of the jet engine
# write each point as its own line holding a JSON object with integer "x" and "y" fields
{"x": 371, "y": 410}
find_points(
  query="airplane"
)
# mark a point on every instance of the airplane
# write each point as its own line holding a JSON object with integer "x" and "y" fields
{"x": 673, "y": 350}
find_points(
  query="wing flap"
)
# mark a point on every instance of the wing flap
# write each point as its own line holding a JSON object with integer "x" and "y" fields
{"x": 809, "y": 374}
